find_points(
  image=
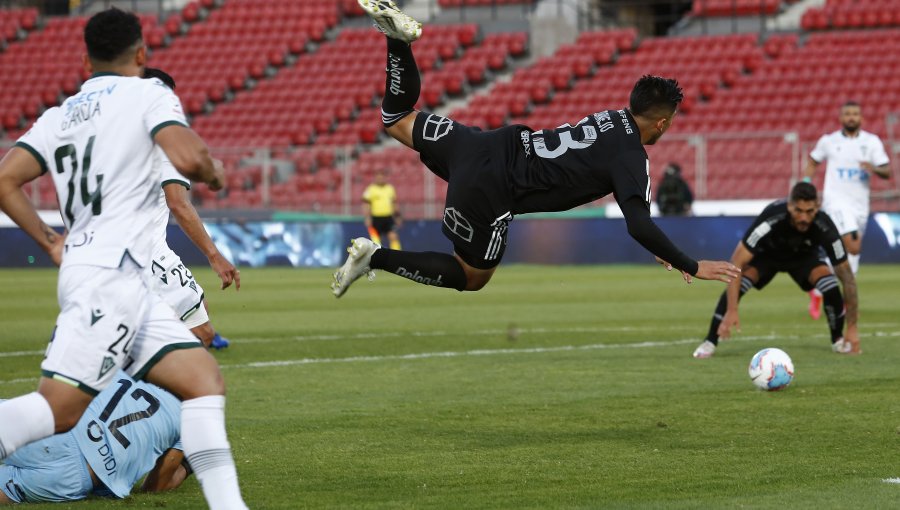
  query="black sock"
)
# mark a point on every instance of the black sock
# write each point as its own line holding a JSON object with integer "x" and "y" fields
{"x": 834, "y": 305}
{"x": 722, "y": 307}
{"x": 427, "y": 268}
{"x": 402, "y": 85}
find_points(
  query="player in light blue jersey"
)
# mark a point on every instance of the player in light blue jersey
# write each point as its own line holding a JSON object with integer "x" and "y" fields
{"x": 130, "y": 429}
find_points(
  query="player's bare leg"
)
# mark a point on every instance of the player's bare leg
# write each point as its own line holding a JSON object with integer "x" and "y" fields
{"x": 193, "y": 375}
{"x": 55, "y": 407}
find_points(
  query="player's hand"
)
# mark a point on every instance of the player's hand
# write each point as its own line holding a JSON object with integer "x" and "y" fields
{"x": 852, "y": 337}
{"x": 868, "y": 167}
{"x": 717, "y": 270}
{"x": 664, "y": 264}
{"x": 226, "y": 271}
{"x": 218, "y": 180}
{"x": 56, "y": 248}
{"x": 730, "y": 320}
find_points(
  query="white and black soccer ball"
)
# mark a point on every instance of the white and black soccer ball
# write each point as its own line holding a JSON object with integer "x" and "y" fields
{"x": 771, "y": 369}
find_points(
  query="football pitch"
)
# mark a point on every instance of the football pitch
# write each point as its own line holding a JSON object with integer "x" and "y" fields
{"x": 554, "y": 387}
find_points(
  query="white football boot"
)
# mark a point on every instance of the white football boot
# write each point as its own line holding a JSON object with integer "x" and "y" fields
{"x": 705, "y": 350}
{"x": 357, "y": 264}
{"x": 393, "y": 22}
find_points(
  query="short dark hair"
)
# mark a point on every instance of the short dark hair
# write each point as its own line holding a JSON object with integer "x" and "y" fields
{"x": 152, "y": 72}
{"x": 654, "y": 94}
{"x": 851, "y": 103}
{"x": 108, "y": 34}
{"x": 803, "y": 191}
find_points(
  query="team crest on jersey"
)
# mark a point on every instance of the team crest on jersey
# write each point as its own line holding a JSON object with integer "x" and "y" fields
{"x": 436, "y": 128}
{"x": 108, "y": 364}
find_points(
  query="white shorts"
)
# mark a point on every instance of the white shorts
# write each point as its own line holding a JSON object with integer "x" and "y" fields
{"x": 847, "y": 217}
{"x": 176, "y": 286}
{"x": 109, "y": 319}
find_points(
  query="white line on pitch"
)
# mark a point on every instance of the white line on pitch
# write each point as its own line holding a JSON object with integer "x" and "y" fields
{"x": 474, "y": 352}
{"x": 487, "y": 352}
{"x": 440, "y": 333}
{"x": 15, "y": 354}
{"x": 891, "y": 480}
{"x": 483, "y": 332}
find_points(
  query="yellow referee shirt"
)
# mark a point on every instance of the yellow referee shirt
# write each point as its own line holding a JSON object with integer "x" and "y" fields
{"x": 381, "y": 199}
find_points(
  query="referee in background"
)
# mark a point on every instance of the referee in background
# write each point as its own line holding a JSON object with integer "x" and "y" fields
{"x": 381, "y": 212}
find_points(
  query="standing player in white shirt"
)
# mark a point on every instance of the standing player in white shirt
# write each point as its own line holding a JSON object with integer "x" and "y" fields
{"x": 853, "y": 155}
{"x": 99, "y": 147}
{"x": 171, "y": 279}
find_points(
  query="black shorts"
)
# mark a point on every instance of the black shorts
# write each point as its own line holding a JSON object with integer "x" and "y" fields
{"x": 799, "y": 269}
{"x": 476, "y": 165}
{"x": 383, "y": 224}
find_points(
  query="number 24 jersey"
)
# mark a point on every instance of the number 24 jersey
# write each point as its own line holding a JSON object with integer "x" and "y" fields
{"x": 98, "y": 146}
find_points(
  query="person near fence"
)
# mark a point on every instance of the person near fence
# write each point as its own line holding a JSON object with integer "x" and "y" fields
{"x": 674, "y": 197}
{"x": 380, "y": 210}
{"x": 494, "y": 175}
{"x": 853, "y": 155}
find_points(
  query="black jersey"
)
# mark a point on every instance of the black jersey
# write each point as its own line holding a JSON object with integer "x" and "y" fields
{"x": 574, "y": 165}
{"x": 773, "y": 236}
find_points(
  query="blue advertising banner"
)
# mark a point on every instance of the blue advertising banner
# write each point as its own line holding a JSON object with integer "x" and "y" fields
{"x": 531, "y": 241}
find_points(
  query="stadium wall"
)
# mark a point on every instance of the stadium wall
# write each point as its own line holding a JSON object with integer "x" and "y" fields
{"x": 532, "y": 241}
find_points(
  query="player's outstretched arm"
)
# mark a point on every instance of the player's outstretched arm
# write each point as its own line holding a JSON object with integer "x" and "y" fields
{"x": 851, "y": 302}
{"x": 17, "y": 168}
{"x": 717, "y": 270}
{"x": 179, "y": 203}
{"x": 169, "y": 472}
{"x": 644, "y": 231}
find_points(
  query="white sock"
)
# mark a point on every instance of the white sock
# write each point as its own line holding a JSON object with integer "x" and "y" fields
{"x": 816, "y": 292}
{"x": 854, "y": 262}
{"x": 24, "y": 420}
{"x": 206, "y": 448}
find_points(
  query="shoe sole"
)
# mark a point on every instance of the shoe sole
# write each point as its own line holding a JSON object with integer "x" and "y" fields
{"x": 391, "y": 20}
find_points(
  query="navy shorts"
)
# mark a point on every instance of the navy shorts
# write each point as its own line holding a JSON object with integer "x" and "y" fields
{"x": 799, "y": 269}
{"x": 476, "y": 165}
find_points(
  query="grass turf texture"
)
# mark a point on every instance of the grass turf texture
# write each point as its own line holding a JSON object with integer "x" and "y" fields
{"x": 591, "y": 401}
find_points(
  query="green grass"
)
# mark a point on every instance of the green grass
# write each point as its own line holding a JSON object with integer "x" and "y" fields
{"x": 596, "y": 403}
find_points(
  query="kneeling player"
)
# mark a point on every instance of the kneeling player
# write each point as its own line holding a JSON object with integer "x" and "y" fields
{"x": 787, "y": 237}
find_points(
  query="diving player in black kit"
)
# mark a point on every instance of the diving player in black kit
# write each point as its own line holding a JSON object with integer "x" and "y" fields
{"x": 494, "y": 175}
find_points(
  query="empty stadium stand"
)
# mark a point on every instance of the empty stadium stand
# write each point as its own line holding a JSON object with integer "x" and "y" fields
{"x": 251, "y": 74}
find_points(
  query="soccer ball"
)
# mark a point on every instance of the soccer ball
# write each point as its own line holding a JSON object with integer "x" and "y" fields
{"x": 771, "y": 369}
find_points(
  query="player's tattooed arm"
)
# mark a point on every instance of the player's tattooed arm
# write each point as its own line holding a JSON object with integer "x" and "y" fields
{"x": 851, "y": 297}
